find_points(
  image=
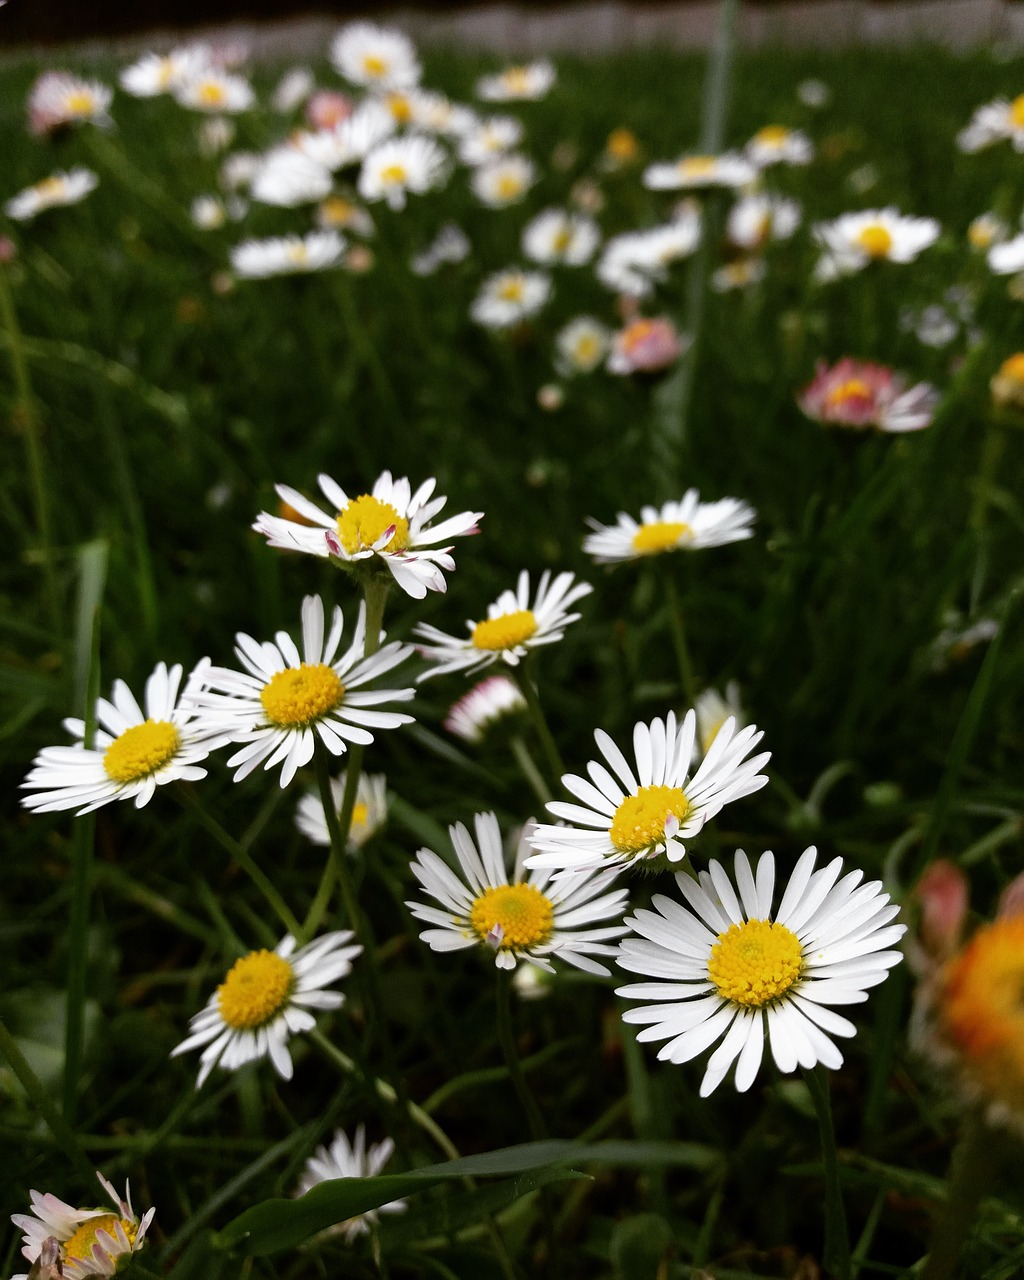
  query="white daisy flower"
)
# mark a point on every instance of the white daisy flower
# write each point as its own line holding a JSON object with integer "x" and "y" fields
{"x": 217, "y": 91}
{"x": 713, "y": 710}
{"x": 292, "y": 90}
{"x": 267, "y": 997}
{"x": 629, "y": 818}
{"x": 511, "y": 629}
{"x": 402, "y": 165}
{"x": 433, "y": 112}
{"x": 754, "y": 220}
{"x": 239, "y": 168}
{"x": 487, "y": 139}
{"x": 986, "y": 230}
{"x": 343, "y": 1159}
{"x": 388, "y": 528}
{"x": 288, "y": 178}
{"x": 523, "y": 918}
{"x": 687, "y": 525}
{"x": 492, "y": 700}
{"x": 338, "y": 213}
{"x": 993, "y": 122}
{"x": 285, "y": 700}
{"x": 517, "y": 84}
{"x": 1004, "y": 259}
{"x": 369, "y": 813}
{"x": 350, "y": 140}
{"x": 287, "y": 255}
{"x": 633, "y": 263}
{"x": 451, "y": 244}
{"x": 60, "y": 188}
{"x": 208, "y": 212}
{"x": 581, "y": 345}
{"x": 505, "y": 181}
{"x": 510, "y": 296}
{"x": 854, "y": 240}
{"x": 58, "y": 98}
{"x": 694, "y": 172}
{"x": 90, "y": 1242}
{"x": 727, "y": 971}
{"x": 377, "y": 57}
{"x": 775, "y": 144}
{"x": 741, "y": 273}
{"x": 156, "y": 73}
{"x": 216, "y": 133}
{"x": 133, "y": 752}
{"x": 557, "y": 236}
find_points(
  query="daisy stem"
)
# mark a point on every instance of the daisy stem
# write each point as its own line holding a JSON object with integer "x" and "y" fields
{"x": 244, "y": 859}
{"x": 678, "y": 629}
{"x": 970, "y": 1176}
{"x": 530, "y": 771}
{"x": 529, "y": 691}
{"x": 338, "y": 824}
{"x": 837, "y": 1245}
{"x": 507, "y": 1040}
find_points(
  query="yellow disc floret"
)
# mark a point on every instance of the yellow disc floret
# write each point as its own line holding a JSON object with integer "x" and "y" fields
{"x": 697, "y": 166}
{"x": 875, "y": 240}
{"x": 661, "y": 535}
{"x": 374, "y": 65}
{"x": 639, "y": 821}
{"x": 365, "y": 519}
{"x": 1017, "y": 111}
{"x": 255, "y": 991}
{"x": 141, "y": 750}
{"x": 211, "y": 94}
{"x": 850, "y": 389}
{"x": 755, "y": 962}
{"x": 772, "y": 135}
{"x": 392, "y": 174}
{"x": 78, "y": 1247}
{"x": 525, "y": 916}
{"x": 297, "y": 696}
{"x": 504, "y": 632}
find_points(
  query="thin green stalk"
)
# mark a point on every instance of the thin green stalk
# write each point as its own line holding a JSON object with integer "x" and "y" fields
{"x": 970, "y": 1176}
{"x": 679, "y": 643}
{"x": 837, "y": 1244}
{"x": 547, "y": 742}
{"x": 507, "y": 1040}
{"x": 529, "y": 769}
{"x": 338, "y": 824}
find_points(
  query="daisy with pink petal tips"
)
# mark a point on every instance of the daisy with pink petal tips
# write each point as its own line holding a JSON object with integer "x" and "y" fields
{"x": 858, "y": 395}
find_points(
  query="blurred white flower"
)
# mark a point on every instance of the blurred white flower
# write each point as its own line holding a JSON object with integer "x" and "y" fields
{"x": 509, "y": 296}
{"x": 518, "y": 83}
{"x": 61, "y": 188}
{"x": 377, "y": 57}
{"x": 502, "y": 182}
{"x": 287, "y": 255}
{"x": 402, "y": 165}
{"x": 557, "y": 236}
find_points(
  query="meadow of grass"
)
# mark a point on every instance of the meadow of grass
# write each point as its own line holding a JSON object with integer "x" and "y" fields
{"x": 149, "y": 405}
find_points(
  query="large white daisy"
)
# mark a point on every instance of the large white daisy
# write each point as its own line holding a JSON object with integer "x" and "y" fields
{"x": 853, "y": 240}
{"x": 399, "y": 166}
{"x": 728, "y": 971}
{"x": 686, "y": 525}
{"x": 288, "y": 178}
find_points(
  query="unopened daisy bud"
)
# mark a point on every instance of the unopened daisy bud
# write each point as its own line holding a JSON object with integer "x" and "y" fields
{"x": 622, "y": 147}
{"x": 488, "y": 704}
{"x": 550, "y": 397}
{"x": 943, "y": 892}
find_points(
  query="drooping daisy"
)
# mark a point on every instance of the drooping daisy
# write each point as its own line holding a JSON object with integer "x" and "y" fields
{"x": 522, "y": 83}
{"x": 775, "y": 144}
{"x": 647, "y": 344}
{"x": 217, "y": 91}
{"x": 557, "y": 236}
{"x": 994, "y": 122}
{"x": 511, "y": 629}
{"x": 725, "y": 970}
{"x": 485, "y": 140}
{"x": 285, "y": 700}
{"x": 287, "y": 255}
{"x": 343, "y": 1159}
{"x": 369, "y": 813}
{"x": 287, "y": 178}
{"x": 854, "y": 240}
{"x": 754, "y": 220}
{"x": 694, "y": 172}
{"x": 510, "y": 296}
{"x": 59, "y": 188}
{"x": 686, "y": 525}
{"x": 525, "y": 917}
{"x": 487, "y": 704}
{"x": 156, "y": 73}
{"x": 858, "y": 394}
{"x": 401, "y": 165}
{"x": 134, "y": 752}
{"x": 634, "y": 262}
{"x": 267, "y": 997}
{"x": 388, "y": 528}
{"x": 713, "y": 710}
{"x": 58, "y": 99}
{"x": 90, "y": 1242}
{"x": 631, "y": 818}
{"x": 505, "y": 181}
{"x": 377, "y": 57}
{"x": 581, "y": 345}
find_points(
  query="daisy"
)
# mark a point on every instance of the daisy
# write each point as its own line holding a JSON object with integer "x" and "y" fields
{"x": 287, "y": 178}
{"x": 646, "y": 345}
{"x": 511, "y": 629}
{"x": 713, "y": 710}
{"x": 1007, "y": 258}
{"x": 287, "y": 255}
{"x": 265, "y": 998}
{"x": 488, "y": 703}
{"x": 633, "y": 263}
{"x": 485, "y": 140}
{"x": 327, "y": 108}
{"x": 389, "y": 528}
{"x": 517, "y": 84}
{"x": 557, "y": 236}
{"x": 434, "y": 112}
{"x": 292, "y": 90}
{"x": 505, "y": 181}
{"x": 854, "y": 240}
{"x": 727, "y": 971}
{"x": 858, "y": 394}
{"x": 451, "y": 244}
{"x": 631, "y": 818}
{"x": 754, "y": 220}
{"x": 377, "y": 57}
{"x": 1007, "y": 384}
{"x": 338, "y": 213}
{"x": 522, "y": 918}
{"x": 581, "y": 345}
{"x": 239, "y": 168}
{"x": 343, "y": 1159}
{"x": 775, "y": 144}
{"x": 351, "y": 139}
{"x": 57, "y": 99}
{"x": 686, "y": 525}
{"x": 510, "y": 296}
{"x": 156, "y": 73}
{"x": 284, "y": 701}
{"x": 133, "y": 752}
{"x": 695, "y": 172}
{"x": 986, "y": 230}
{"x": 216, "y": 91}
{"x": 993, "y": 122}
{"x": 741, "y": 273}
{"x": 60, "y": 188}
{"x": 400, "y": 165}
{"x": 369, "y": 813}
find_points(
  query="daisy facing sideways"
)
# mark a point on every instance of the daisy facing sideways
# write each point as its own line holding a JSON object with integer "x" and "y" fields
{"x": 389, "y": 528}
{"x": 627, "y": 816}
{"x": 267, "y": 997}
{"x": 58, "y": 99}
{"x": 522, "y": 918}
{"x": 287, "y": 255}
{"x": 726, "y": 970}
{"x": 854, "y": 240}
{"x": 369, "y": 813}
{"x": 523, "y": 83}
{"x": 857, "y": 394}
{"x": 344, "y": 1159}
{"x": 61, "y": 188}
{"x": 511, "y": 629}
{"x": 686, "y": 525}
{"x": 477, "y": 712}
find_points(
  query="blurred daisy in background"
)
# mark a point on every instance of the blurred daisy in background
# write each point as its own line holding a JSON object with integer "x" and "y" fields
{"x": 486, "y": 140}
{"x": 450, "y": 245}
{"x": 58, "y": 98}
{"x": 686, "y": 525}
{"x": 507, "y": 297}
{"x": 634, "y": 262}
{"x": 754, "y": 220}
{"x": 344, "y": 1159}
{"x": 646, "y": 345}
{"x": 741, "y": 273}
{"x": 994, "y": 122}
{"x": 713, "y": 710}
{"x": 351, "y": 139}
{"x": 156, "y": 73}
{"x": 986, "y": 230}
{"x": 287, "y": 255}
{"x": 399, "y": 166}
{"x": 775, "y": 144}
{"x": 1007, "y": 384}
{"x": 287, "y": 178}
{"x": 854, "y": 240}
{"x": 369, "y": 813}
{"x": 344, "y": 215}
{"x": 858, "y": 394}
{"x": 581, "y": 345}
{"x": 814, "y": 93}
{"x": 557, "y": 236}
{"x": 375, "y": 57}
{"x": 694, "y": 172}
{"x": 525, "y": 82}
{"x": 504, "y": 181}
{"x": 216, "y": 91}
{"x": 292, "y": 90}
{"x": 60, "y": 188}
{"x": 487, "y": 704}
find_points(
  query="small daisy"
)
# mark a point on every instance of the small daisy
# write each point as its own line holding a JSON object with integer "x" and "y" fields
{"x": 1007, "y": 384}
{"x": 485, "y": 140}
{"x": 1007, "y": 258}
{"x": 284, "y": 701}
{"x": 511, "y": 629}
{"x": 686, "y": 525}
{"x": 697, "y": 172}
{"x": 58, "y": 99}
{"x": 621, "y": 148}
{"x": 389, "y": 528}
{"x": 401, "y": 165}
{"x": 451, "y": 244}
{"x": 216, "y": 134}
{"x": 557, "y": 236}
{"x": 505, "y": 181}
{"x": 426, "y": 109}
{"x": 646, "y": 345}
{"x": 487, "y": 704}
{"x": 287, "y": 255}
{"x": 510, "y": 296}
{"x": 741, "y": 273}
{"x": 376, "y": 57}
{"x": 775, "y": 144}
{"x": 337, "y": 213}
{"x": 350, "y": 140}
{"x": 134, "y": 752}
{"x": 287, "y": 179}
{"x": 89, "y": 1242}
{"x": 727, "y": 971}
{"x": 993, "y": 122}
{"x": 581, "y": 346}
{"x": 239, "y": 168}
{"x": 854, "y": 240}
{"x": 292, "y": 90}
{"x": 523, "y": 918}
{"x": 517, "y": 84}
{"x": 265, "y": 999}
{"x": 858, "y": 394}
{"x": 754, "y": 220}
{"x": 713, "y": 711}
{"x": 208, "y": 213}
{"x": 369, "y": 813}
{"x": 59, "y": 188}
{"x": 633, "y": 263}
{"x": 217, "y": 91}
{"x": 156, "y": 73}
{"x": 986, "y": 230}
{"x": 343, "y": 1159}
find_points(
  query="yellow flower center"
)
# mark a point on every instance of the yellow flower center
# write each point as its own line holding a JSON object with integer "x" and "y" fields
{"x": 298, "y": 254}
{"x": 662, "y": 535}
{"x": 1014, "y": 367}
{"x": 1017, "y": 111}
{"x": 336, "y": 211}
{"x": 697, "y": 166}
{"x": 366, "y": 519}
{"x": 509, "y": 185}
{"x": 772, "y": 135}
{"x": 360, "y": 817}
{"x": 255, "y": 991}
{"x": 297, "y": 696}
{"x": 562, "y": 240}
{"x": 400, "y": 107}
{"x": 78, "y": 1248}
{"x": 524, "y": 914}
{"x": 875, "y": 240}
{"x": 639, "y": 821}
{"x": 622, "y": 144}
{"x": 51, "y": 188}
{"x": 981, "y": 233}
{"x": 80, "y": 103}
{"x": 374, "y": 65}
{"x": 141, "y": 750}
{"x": 587, "y": 348}
{"x": 504, "y": 632}
{"x": 755, "y": 962}
{"x": 517, "y": 80}
{"x": 851, "y": 389}
{"x": 511, "y": 290}
{"x": 393, "y": 173}
{"x": 211, "y": 93}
